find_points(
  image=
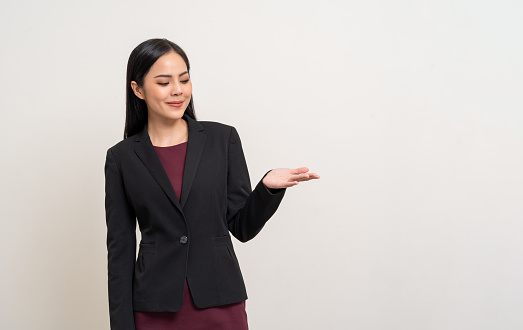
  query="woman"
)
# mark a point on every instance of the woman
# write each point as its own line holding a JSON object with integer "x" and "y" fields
{"x": 186, "y": 183}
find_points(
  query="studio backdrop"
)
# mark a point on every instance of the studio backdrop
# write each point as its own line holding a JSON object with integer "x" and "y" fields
{"x": 411, "y": 112}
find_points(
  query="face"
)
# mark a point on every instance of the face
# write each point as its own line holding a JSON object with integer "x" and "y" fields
{"x": 166, "y": 88}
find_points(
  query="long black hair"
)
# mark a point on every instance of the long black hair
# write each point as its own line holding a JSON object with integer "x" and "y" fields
{"x": 140, "y": 61}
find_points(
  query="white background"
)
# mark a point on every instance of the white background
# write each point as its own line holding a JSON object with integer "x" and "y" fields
{"x": 411, "y": 111}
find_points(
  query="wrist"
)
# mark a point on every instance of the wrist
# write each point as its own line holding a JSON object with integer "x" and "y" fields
{"x": 271, "y": 190}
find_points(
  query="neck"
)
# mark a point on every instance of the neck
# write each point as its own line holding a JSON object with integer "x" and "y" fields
{"x": 164, "y": 134}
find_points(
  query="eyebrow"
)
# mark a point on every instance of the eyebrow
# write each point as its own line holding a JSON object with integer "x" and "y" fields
{"x": 170, "y": 76}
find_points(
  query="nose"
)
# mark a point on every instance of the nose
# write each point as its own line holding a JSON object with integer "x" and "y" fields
{"x": 176, "y": 89}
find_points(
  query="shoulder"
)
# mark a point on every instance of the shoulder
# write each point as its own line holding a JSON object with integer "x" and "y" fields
{"x": 213, "y": 126}
{"x": 122, "y": 147}
{"x": 219, "y": 130}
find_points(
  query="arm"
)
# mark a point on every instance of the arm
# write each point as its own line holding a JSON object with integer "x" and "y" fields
{"x": 121, "y": 247}
{"x": 247, "y": 211}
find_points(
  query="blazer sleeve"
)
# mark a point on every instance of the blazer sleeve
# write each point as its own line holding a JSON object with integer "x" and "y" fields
{"x": 247, "y": 211}
{"x": 121, "y": 247}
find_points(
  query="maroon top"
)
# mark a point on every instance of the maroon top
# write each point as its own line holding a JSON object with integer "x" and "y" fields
{"x": 190, "y": 317}
{"x": 173, "y": 161}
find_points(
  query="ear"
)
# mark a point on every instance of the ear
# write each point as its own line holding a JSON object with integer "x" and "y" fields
{"x": 138, "y": 91}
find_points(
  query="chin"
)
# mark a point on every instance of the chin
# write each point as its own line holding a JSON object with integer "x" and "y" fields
{"x": 178, "y": 113}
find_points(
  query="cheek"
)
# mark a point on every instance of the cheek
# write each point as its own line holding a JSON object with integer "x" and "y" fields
{"x": 153, "y": 92}
{"x": 161, "y": 93}
{"x": 188, "y": 89}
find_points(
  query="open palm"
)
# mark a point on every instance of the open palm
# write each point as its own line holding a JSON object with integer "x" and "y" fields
{"x": 287, "y": 177}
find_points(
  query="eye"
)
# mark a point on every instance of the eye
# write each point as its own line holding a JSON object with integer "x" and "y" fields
{"x": 163, "y": 84}
{"x": 184, "y": 81}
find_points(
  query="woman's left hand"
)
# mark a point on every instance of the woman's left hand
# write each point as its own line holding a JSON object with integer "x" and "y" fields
{"x": 287, "y": 177}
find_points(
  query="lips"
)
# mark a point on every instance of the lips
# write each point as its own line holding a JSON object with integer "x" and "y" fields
{"x": 175, "y": 104}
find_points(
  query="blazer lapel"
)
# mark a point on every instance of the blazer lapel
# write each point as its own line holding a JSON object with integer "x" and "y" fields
{"x": 145, "y": 151}
{"x": 195, "y": 146}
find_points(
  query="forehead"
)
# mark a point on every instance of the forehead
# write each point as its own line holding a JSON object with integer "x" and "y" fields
{"x": 170, "y": 63}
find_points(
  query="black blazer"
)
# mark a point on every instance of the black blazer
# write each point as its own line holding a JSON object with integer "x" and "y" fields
{"x": 180, "y": 240}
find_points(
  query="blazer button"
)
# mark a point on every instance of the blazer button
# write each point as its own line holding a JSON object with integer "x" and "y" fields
{"x": 183, "y": 239}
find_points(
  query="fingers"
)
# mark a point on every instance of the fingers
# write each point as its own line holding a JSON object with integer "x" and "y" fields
{"x": 304, "y": 170}
{"x": 304, "y": 177}
{"x": 299, "y": 170}
{"x": 287, "y": 177}
{"x": 290, "y": 184}
{"x": 313, "y": 176}
{"x": 299, "y": 177}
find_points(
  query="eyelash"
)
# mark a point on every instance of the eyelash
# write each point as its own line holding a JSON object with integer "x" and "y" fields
{"x": 182, "y": 81}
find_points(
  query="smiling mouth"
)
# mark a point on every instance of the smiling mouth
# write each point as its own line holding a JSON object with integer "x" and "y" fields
{"x": 175, "y": 104}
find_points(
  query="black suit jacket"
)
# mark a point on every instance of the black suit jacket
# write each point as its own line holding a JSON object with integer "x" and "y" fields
{"x": 180, "y": 240}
